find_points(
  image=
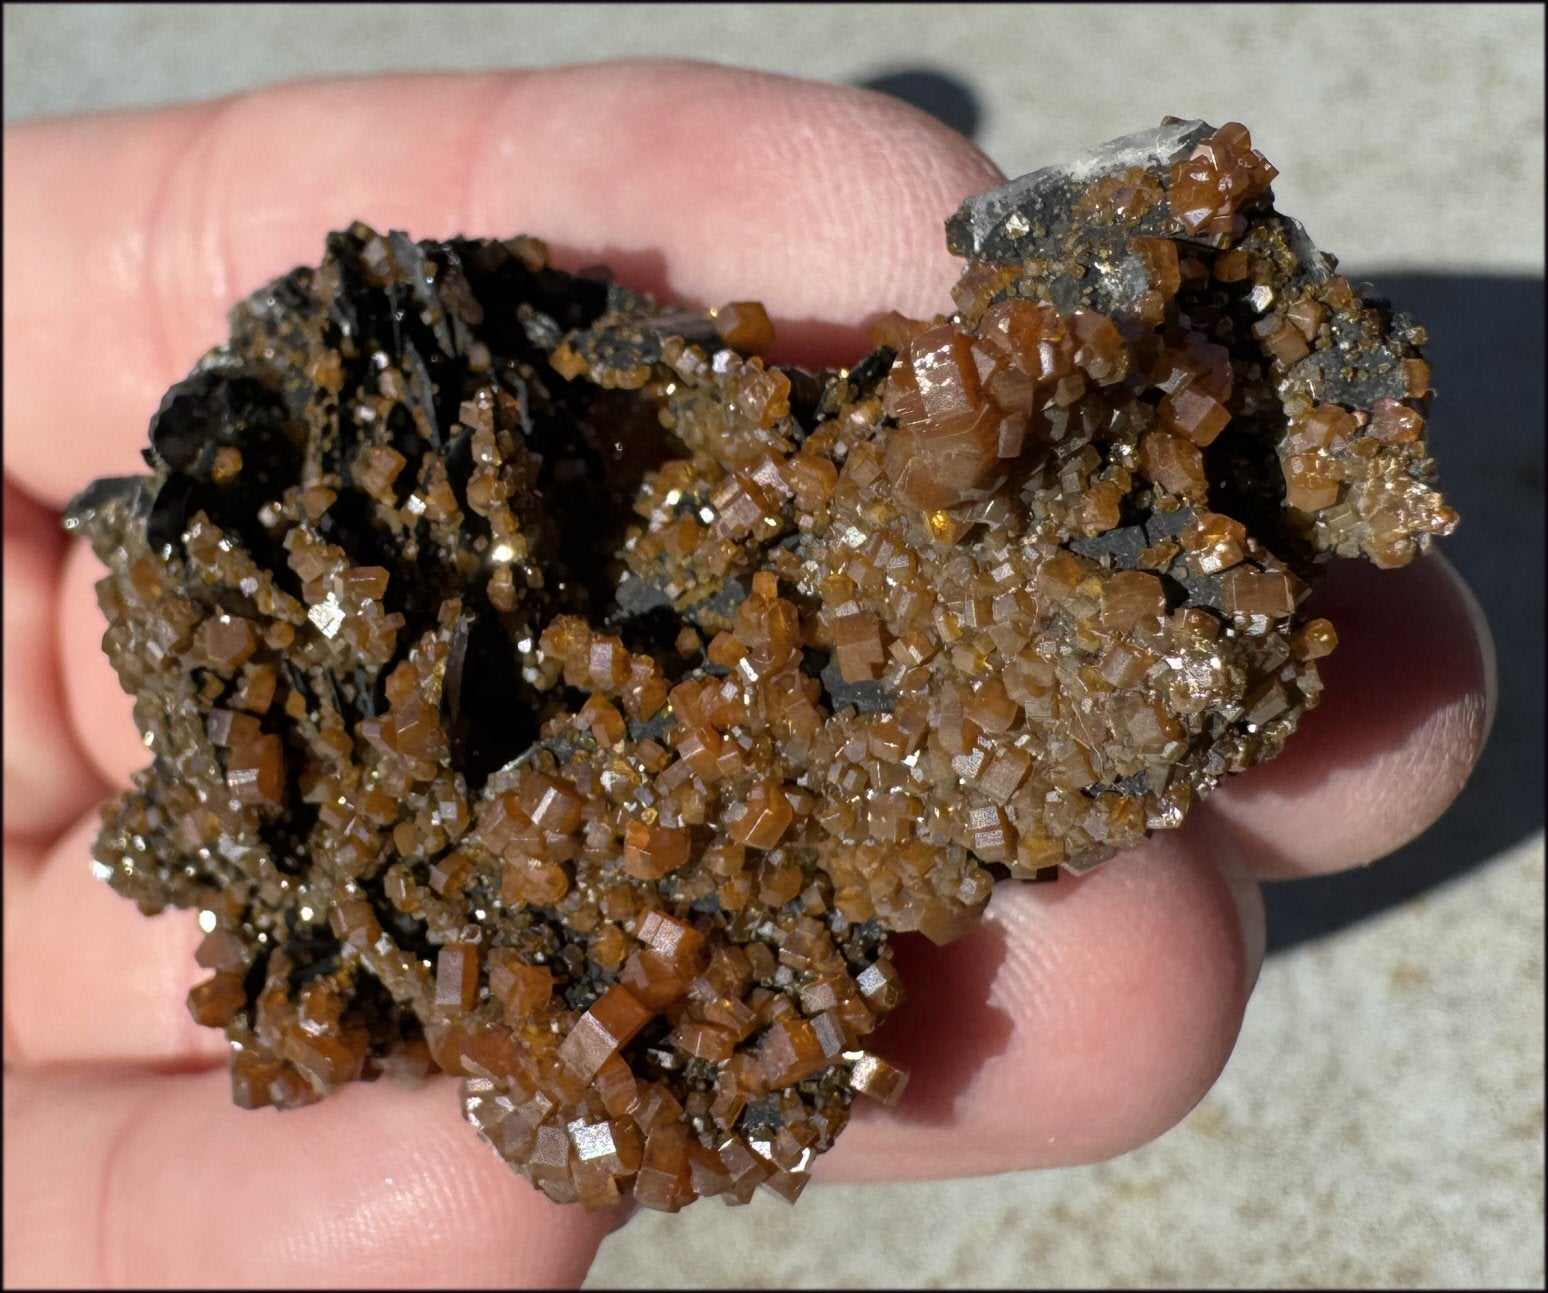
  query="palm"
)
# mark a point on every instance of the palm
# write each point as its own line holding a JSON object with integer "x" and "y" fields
{"x": 1115, "y": 998}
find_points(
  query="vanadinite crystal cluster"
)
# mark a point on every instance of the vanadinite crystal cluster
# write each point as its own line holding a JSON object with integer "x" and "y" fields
{"x": 545, "y": 687}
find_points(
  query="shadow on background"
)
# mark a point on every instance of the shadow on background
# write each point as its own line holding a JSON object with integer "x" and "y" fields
{"x": 1486, "y": 347}
{"x": 944, "y": 97}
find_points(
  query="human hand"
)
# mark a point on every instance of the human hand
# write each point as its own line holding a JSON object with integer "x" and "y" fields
{"x": 1076, "y": 1021}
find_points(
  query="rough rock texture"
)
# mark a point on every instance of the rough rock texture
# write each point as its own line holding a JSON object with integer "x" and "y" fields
{"x": 545, "y": 688}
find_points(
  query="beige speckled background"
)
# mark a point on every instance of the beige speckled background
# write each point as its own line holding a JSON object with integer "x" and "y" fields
{"x": 1381, "y": 1122}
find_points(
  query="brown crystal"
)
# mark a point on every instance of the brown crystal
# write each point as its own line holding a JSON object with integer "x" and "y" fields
{"x": 745, "y": 326}
{"x": 549, "y": 688}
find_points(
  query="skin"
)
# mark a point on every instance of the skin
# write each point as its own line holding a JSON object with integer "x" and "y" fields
{"x": 1077, "y": 1021}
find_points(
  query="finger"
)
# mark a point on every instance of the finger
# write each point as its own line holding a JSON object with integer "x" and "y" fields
{"x": 1409, "y": 700}
{"x": 48, "y": 780}
{"x": 130, "y": 236}
{"x": 88, "y": 978}
{"x": 131, "y": 1180}
{"x": 101, "y": 713}
{"x": 1079, "y": 1020}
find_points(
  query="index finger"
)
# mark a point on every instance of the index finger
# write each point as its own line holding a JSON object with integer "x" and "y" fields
{"x": 129, "y": 237}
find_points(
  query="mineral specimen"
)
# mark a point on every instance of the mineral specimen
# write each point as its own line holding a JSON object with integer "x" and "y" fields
{"x": 546, "y": 688}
